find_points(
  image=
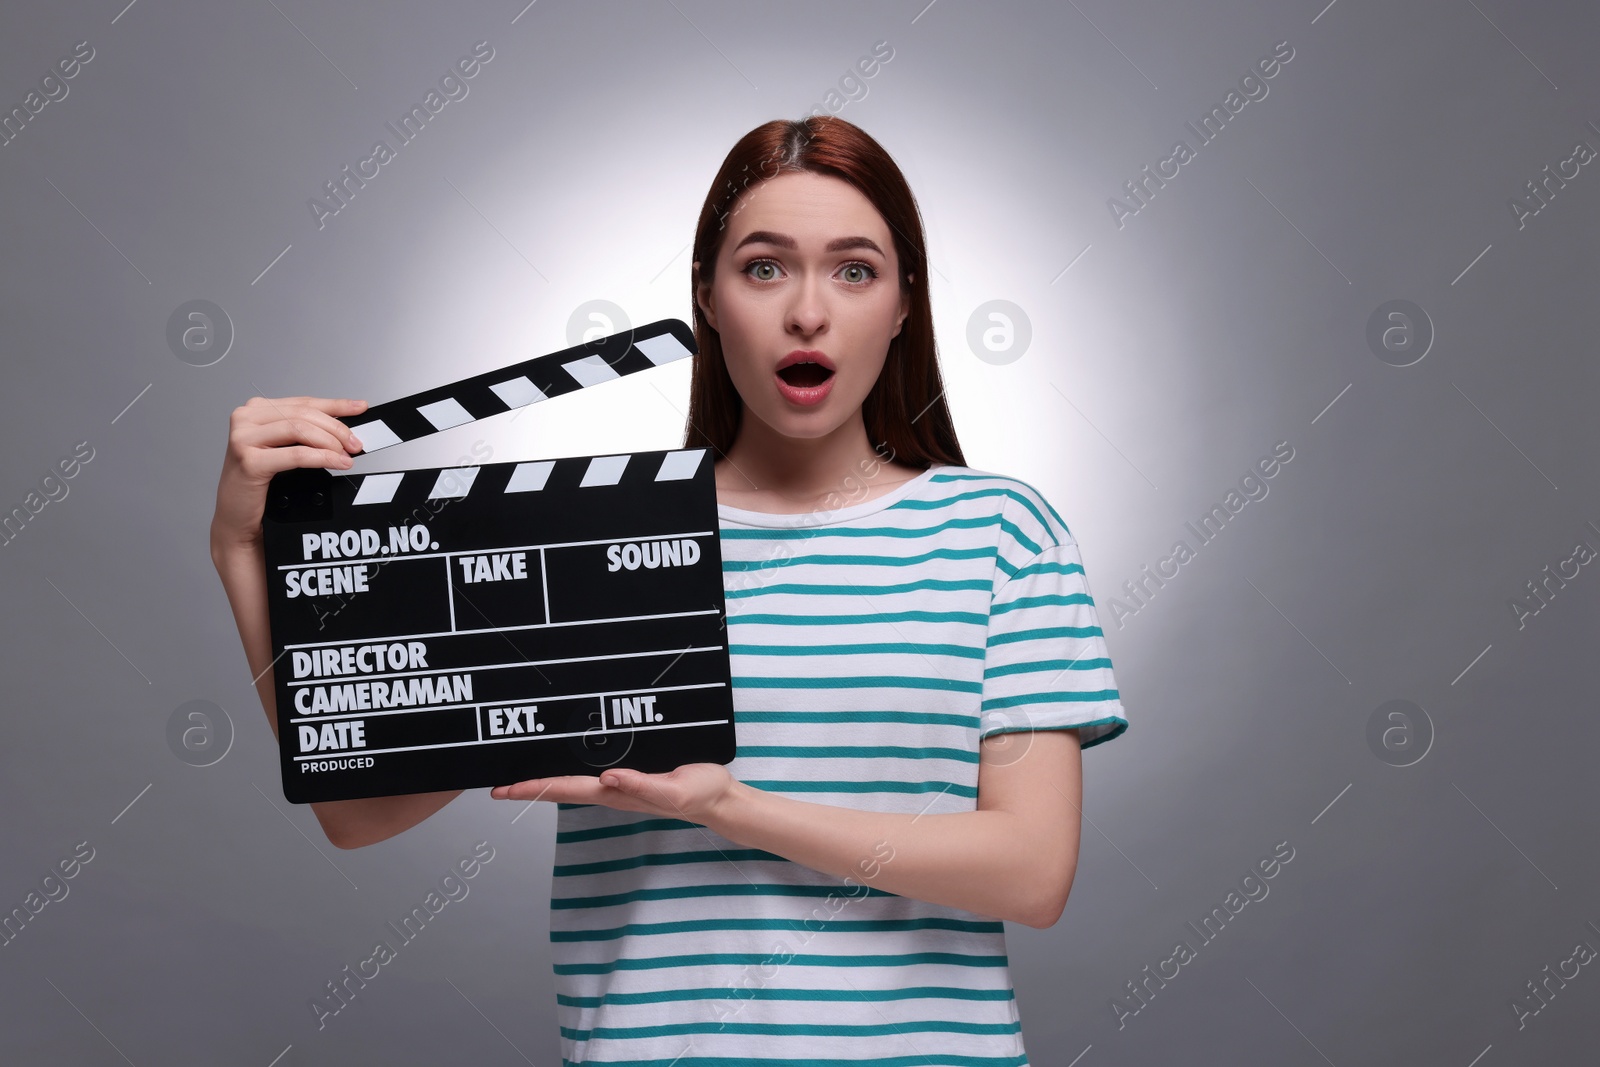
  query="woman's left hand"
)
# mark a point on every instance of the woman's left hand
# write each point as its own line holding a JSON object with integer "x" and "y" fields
{"x": 690, "y": 792}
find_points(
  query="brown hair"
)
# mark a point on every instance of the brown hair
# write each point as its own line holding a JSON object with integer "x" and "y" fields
{"x": 905, "y": 414}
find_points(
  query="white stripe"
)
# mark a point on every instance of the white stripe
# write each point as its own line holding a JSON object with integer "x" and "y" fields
{"x": 374, "y": 435}
{"x": 453, "y": 482}
{"x": 529, "y": 477}
{"x": 518, "y": 392}
{"x": 588, "y": 731}
{"x": 676, "y": 466}
{"x": 662, "y": 349}
{"x": 445, "y": 413}
{"x": 378, "y": 488}
{"x": 604, "y": 470}
{"x": 590, "y": 370}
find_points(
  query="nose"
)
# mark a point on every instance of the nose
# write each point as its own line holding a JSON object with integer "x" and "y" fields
{"x": 807, "y": 311}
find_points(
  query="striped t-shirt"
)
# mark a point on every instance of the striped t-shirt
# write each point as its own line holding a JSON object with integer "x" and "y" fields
{"x": 871, "y": 648}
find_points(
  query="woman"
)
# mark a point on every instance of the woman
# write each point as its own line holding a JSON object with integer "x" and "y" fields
{"x": 916, "y": 661}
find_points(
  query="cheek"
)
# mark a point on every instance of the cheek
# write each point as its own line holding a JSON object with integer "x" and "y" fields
{"x": 864, "y": 376}
{"x": 871, "y": 330}
{"x": 738, "y": 313}
{"x": 738, "y": 330}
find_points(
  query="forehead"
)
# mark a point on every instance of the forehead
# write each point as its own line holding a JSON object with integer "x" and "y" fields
{"x": 811, "y": 208}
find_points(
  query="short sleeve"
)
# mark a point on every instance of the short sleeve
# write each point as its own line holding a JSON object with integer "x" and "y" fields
{"x": 1046, "y": 664}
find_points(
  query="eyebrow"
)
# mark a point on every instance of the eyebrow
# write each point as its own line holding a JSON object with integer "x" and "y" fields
{"x": 838, "y": 244}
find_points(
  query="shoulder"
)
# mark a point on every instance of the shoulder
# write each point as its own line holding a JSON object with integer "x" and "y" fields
{"x": 1028, "y": 523}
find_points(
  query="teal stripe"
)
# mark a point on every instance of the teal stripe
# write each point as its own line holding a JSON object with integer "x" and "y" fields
{"x": 857, "y": 752}
{"x": 946, "y": 1059}
{"x": 857, "y": 560}
{"x": 976, "y": 522}
{"x": 810, "y": 959}
{"x": 885, "y": 648}
{"x": 683, "y": 926}
{"x": 732, "y": 889}
{"x": 1051, "y": 600}
{"x": 765, "y": 533}
{"x": 660, "y": 996}
{"x": 663, "y": 859}
{"x": 1040, "y": 568}
{"x": 968, "y": 617}
{"x": 981, "y": 477}
{"x": 863, "y": 681}
{"x": 711, "y": 1026}
{"x": 980, "y": 494}
{"x": 798, "y": 589}
{"x": 1122, "y": 728}
{"x": 1011, "y": 529}
{"x": 638, "y": 826}
{"x": 927, "y": 718}
{"x": 1042, "y": 632}
{"x": 1047, "y": 665}
{"x": 1089, "y": 696}
{"x": 864, "y": 787}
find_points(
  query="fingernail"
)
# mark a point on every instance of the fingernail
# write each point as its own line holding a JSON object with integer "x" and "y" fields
{"x": 356, "y": 441}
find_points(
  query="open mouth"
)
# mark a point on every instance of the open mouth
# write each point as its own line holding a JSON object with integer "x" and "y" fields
{"x": 805, "y": 375}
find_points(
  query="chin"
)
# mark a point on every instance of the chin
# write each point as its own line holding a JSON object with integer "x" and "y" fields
{"x": 805, "y": 425}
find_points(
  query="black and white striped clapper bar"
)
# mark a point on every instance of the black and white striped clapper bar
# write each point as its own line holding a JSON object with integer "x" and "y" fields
{"x": 476, "y": 626}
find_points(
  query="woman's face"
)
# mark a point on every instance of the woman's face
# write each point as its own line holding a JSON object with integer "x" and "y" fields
{"x": 807, "y": 264}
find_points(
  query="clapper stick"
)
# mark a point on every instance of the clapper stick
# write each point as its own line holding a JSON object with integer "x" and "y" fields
{"x": 493, "y": 392}
{"x": 451, "y": 627}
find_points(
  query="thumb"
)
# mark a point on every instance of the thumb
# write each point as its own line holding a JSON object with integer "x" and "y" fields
{"x": 626, "y": 781}
{"x": 646, "y": 787}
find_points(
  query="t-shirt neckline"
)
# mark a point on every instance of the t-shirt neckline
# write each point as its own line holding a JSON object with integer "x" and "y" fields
{"x": 776, "y": 520}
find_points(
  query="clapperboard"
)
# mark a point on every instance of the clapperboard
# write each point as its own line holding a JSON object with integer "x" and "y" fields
{"x": 476, "y": 626}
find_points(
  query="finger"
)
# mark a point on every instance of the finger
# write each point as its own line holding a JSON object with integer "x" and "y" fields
{"x": 625, "y": 780}
{"x": 646, "y": 788}
{"x": 292, "y": 431}
{"x": 315, "y": 410}
{"x": 575, "y": 789}
{"x": 337, "y": 405}
{"x": 333, "y": 406}
{"x": 262, "y": 463}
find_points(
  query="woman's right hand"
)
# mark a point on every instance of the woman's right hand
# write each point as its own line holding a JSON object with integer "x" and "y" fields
{"x": 266, "y": 436}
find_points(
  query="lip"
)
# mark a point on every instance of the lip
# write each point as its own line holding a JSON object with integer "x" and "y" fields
{"x": 806, "y": 355}
{"x": 805, "y": 395}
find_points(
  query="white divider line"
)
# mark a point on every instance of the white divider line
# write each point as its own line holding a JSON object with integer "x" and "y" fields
{"x": 450, "y": 592}
{"x": 502, "y": 629}
{"x": 335, "y": 679}
{"x": 394, "y": 558}
{"x": 502, "y": 740}
{"x": 335, "y": 716}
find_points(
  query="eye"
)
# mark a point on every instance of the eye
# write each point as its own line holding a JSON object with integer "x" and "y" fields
{"x": 868, "y": 271}
{"x": 759, "y": 263}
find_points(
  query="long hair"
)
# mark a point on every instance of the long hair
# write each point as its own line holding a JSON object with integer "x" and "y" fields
{"x": 905, "y": 414}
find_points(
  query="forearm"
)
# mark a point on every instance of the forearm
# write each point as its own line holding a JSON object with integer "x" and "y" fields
{"x": 242, "y": 568}
{"x": 980, "y": 861}
{"x": 347, "y": 823}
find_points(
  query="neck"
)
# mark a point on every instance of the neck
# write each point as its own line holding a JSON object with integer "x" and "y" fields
{"x": 763, "y": 460}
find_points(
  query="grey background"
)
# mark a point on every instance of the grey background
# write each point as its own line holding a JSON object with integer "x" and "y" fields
{"x": 1166, "y": 356}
